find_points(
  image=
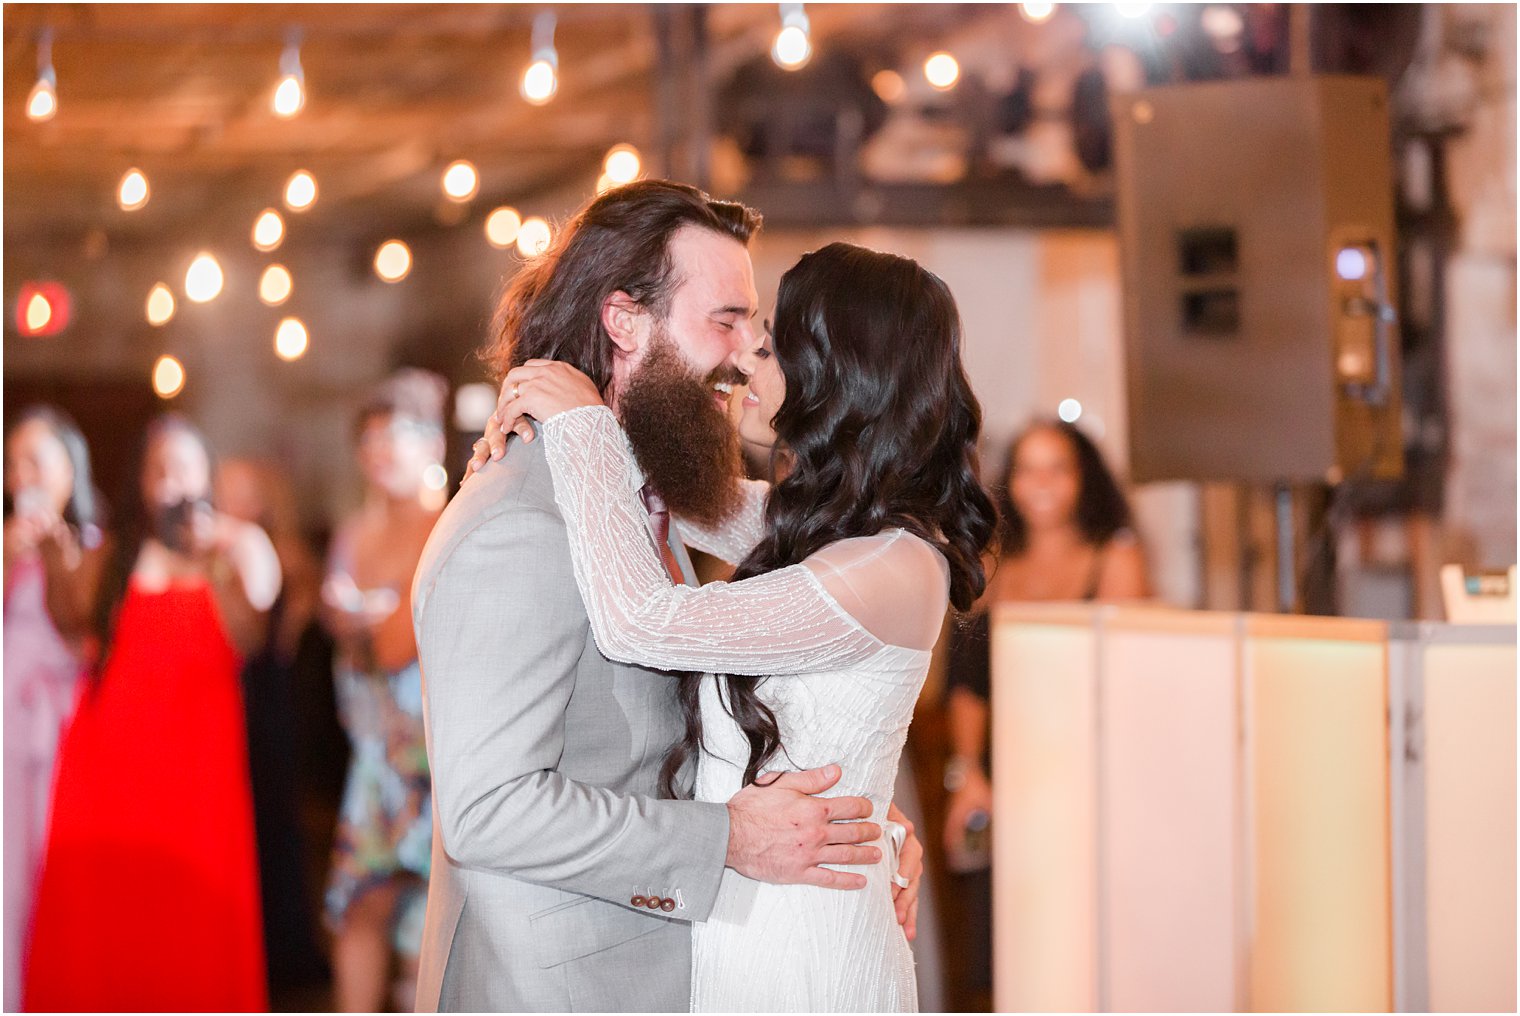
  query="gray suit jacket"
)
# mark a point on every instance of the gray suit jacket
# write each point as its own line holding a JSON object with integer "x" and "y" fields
{"x": 545, "y": 757}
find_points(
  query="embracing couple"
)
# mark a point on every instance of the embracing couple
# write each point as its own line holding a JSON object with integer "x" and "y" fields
{"x": 605, "y": 735}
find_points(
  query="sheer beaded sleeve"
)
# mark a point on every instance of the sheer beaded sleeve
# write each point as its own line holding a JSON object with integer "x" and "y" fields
{"x": 732, "y": 540}
{"x": 789, "y": 621}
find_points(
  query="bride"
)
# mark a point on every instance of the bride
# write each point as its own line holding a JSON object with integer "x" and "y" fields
{"x": 816, "y": 651}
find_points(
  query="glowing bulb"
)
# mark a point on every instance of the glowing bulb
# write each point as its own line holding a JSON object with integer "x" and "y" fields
{"x": 460, "y": 181}
{"x": 38, "y": 313}
{"x": 942, "y": 71}
{"x": 289, "y": 97}
{"x": 1069, "y": 410}
{"x": 435, "y": 477}
{"x": 275, "y": 285}
{"x": 203, "y": 280}
{"x": 539, "y": 82}
{"x": 889, "y": 86}
{"x": 43, "y": 102}
{"x": 622, "y": 164}
{"x": 290, "y": 94}
{"x": 472, "y": 404}
{"x": 502, "y": 226}
{"x": 534, "y": 237}
{"x": 268, "y": 230}
{"x": 1351, "y": 264}
{"x": 160, "y": 305}
{"x": 604, "y": 183}
{"x": 792, "y": 47}
{"x": 393, "y": 260}
{"x": 1133, "y": 10}
{"x": 300, "y": 191}
{"x": 1221, "y": 22}
{"x": 132, "y": 194}
{"x": 290, "y": 339}
{"x": 168, "y": 377}
{"x": 1037, "y": 13}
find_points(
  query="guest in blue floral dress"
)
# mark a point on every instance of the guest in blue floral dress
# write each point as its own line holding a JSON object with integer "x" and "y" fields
{"x": 377, "y": 894}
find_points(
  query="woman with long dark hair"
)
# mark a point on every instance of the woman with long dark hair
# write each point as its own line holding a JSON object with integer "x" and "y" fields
{"x": 54, "y": 550}
{"x": 149, "y": 897}
{"x": 875, "y": 525}
{"x": 1066, "y": 536}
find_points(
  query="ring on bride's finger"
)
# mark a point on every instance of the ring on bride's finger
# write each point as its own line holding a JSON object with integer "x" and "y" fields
{"x": 516, "y": 390}
{"x": 899, "y": 881}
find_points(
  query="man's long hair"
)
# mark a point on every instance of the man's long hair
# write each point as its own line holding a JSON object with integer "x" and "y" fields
{"x": 552, "y": 308}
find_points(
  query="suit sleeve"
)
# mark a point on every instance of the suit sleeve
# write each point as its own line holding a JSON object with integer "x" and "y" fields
{"x": 500, "y": 631}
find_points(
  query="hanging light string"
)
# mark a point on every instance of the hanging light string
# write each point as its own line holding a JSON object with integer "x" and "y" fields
{"x": 541, "y": 80}
{"x": 794, "y": 45}
{"x": 290, "y": 94}
{"x": 42, "y": 103}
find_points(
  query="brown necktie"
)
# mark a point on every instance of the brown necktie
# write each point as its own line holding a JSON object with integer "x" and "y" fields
{"x": 659, "y": 521}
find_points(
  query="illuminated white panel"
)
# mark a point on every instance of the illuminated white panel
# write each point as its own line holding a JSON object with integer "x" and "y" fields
{"x": 1469, "y": 755}
{"x": 1044, "y": 730}
{"x": 1319, "y": 848}
{"x": 1169, "y": 812}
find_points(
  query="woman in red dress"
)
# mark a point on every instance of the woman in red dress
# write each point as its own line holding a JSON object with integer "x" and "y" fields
{"x": 149, "y": 897}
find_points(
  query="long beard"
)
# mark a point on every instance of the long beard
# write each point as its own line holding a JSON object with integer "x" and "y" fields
{"x": 687, "y": 448}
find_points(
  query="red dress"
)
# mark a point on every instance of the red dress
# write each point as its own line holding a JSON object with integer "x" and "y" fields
{"x": 149, "y": 897}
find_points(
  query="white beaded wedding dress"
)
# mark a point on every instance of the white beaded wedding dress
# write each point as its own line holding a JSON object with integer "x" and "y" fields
{"x": 843, "y": 641}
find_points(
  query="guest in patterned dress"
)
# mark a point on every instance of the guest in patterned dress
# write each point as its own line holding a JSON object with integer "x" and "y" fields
{"x": 377, "y": 894}
{"x": 53, "y": 558}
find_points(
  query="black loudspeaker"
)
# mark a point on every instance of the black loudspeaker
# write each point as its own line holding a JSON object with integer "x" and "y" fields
{"x": 1256, "y": 236}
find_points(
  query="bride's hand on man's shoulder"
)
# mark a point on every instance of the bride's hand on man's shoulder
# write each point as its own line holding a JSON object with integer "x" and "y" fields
{"x": 537, "y": 390}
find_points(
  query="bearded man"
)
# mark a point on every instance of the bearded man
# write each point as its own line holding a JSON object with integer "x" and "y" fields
{"x": 561, "y": 880}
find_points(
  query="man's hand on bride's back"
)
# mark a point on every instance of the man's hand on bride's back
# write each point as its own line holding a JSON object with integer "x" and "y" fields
{"x": 538, "y": 389}
{"x": 780, "y": 832}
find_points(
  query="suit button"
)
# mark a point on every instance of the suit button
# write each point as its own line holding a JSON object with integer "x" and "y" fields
{"x": 653, "y": 903}
{"x": 667, "y": 904}
{"x": 637, "y": 901}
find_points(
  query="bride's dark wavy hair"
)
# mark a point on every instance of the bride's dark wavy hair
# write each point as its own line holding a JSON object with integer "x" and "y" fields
{"x": 878, "y": 429}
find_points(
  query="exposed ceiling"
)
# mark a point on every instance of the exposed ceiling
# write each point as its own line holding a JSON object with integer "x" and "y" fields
{"x": 395, "y": 92}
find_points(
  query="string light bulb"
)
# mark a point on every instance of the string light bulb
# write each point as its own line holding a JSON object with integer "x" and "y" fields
{"x": 461, "y": 181}
{"x": 132, "y": 192}
{"x": 300, "y": 191}
{"x": 203, "y": 279}
{"x": 268, "y": 230}
{"x": 168, "y": 377}
{"x": 502, "y": 226}
{"x": 290, "y": 94}
{"x": 1037, "y": 13}
{"x": 541, "y": 79}
{"x": 160, "y": 307}
{"x": 942, "y": 71}
{"x": 42, "y": 103}
{"x": 37, "y": 313}
{"x": 622, "y": 164}
{"x": 275, "y": 285}
{"x": 393, "y": 261}
{"x": 889, "y": 86}
{"x": 534, "y": 237}
{"x": 793, "y": 47}
{"x": 291, "y": 339}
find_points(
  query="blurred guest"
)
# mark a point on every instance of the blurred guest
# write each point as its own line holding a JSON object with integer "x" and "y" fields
{"x": 53, "y": 557}
{"x": 377, "y": 894}
{"x": 149, "y": 892}
{"x": 258, "y": 492}
{"x": 1066, "y": 536}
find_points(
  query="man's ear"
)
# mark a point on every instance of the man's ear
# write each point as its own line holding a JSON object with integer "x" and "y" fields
{"x": 622, "y": 318}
